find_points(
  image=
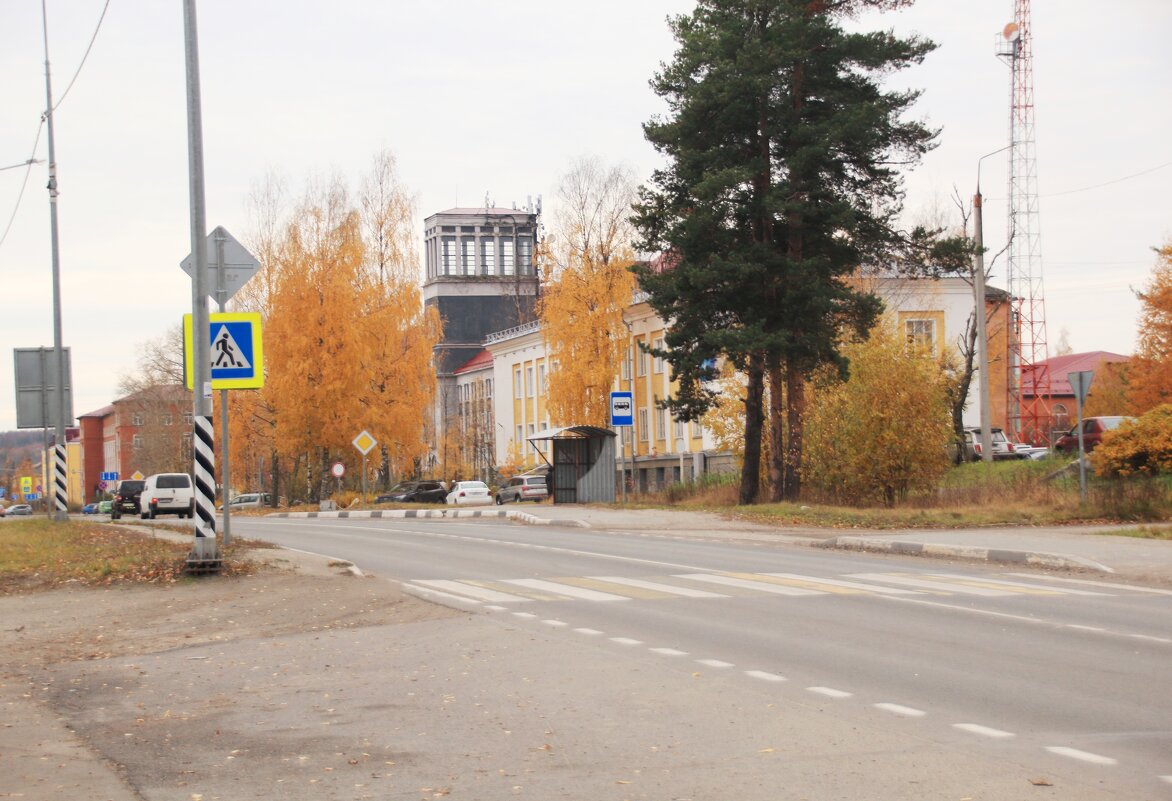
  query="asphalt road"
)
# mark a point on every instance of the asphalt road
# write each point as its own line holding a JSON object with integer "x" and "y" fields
{"x": 1058, "y": 679}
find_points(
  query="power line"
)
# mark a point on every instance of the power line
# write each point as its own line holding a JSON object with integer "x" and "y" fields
{"x": 93, "y": 38}
{"x": 24, "y": 183}
{"x": 1108, "y": 183}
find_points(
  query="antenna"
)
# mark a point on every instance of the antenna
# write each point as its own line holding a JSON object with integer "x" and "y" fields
{"x": 1028, "y": 419}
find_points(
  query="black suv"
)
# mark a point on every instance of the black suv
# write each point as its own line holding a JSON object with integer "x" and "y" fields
{"x": 416, "y": 492}
{"x": 126, "y": 498}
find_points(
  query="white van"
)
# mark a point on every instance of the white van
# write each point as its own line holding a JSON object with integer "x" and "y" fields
{"x": 167, "y": 494}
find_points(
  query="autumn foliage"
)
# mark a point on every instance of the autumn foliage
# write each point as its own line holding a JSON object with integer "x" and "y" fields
{"x": 885, "y": 431}
{"x": 1150, "y": 372}
{"x": 1140, "y": 447}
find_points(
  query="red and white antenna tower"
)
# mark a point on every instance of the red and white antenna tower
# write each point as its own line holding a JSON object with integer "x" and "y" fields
{"x": 1029, "y": 415}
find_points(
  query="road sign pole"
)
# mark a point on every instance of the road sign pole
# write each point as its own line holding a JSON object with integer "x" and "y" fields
{"x": 221, "y": 299}
{"x": 204, "y": 551}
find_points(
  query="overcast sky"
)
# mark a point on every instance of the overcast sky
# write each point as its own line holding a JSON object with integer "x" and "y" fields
{"x": 499, "y": 98}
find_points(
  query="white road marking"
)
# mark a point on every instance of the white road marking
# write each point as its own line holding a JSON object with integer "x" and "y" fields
{"x": 1021, "y": 584}
{"x": 984, "y": 731}
{"x": 566, "y": 589}
{"x": 715, "y": 663}
{"x": 988, "y": 612}
{"x": 589, "y": 632}
{"x": 1149, "y": 638}
{"x": 1167, "y": 779}
{"x": 745, "y": 584}
{"x": 471, "y": 590}
{"x": 1082, "y": 756}
{"x": 1090, "y": 583}
{"x": 850, "y": 585}
{"x": 937, "y": 586}
{"x": 626, "y": 641}
{"x": 525, "y": 615}
{"x": 557, "y": 624}
{"x": 764, "y": 676}
{"x": 433, "y": 593}
{"x": 899, "y": 709}
{"x": 1084, "y": 628}
{"x": 668, "y": 652}
{"x": 687, "y": 592}
{"x": 496, "y": 608}
{"x": 830, "y": 692}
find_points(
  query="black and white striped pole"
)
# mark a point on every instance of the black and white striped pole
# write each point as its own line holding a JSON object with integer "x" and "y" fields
{"x": 60, "y": 489}
{"x": 204, "y": 555}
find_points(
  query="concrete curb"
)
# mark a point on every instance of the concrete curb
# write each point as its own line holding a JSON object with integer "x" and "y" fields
{"x": 434, "y": 514}
{"x": 969, "y": 552}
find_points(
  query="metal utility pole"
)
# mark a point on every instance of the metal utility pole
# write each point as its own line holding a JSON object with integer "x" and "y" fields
{"x": 204, "y": 552}
{"x": 222, "y": 300}
{"x": 981, "y": 317}
{"x": 60, "y": 487}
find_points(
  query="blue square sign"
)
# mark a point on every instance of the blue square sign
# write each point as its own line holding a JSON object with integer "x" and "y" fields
{"x": 622, "y": 409}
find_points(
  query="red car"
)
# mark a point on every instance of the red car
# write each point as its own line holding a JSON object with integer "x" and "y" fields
{"x": 1093, "y": 429}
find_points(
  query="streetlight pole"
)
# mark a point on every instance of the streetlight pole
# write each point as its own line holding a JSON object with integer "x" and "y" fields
{"x": 980, "y": 317}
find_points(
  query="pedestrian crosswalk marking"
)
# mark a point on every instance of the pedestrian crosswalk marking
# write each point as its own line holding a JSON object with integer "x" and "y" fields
{"x": 735, "y": 584}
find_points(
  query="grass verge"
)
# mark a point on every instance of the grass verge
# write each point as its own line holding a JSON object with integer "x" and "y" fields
{"x": 40, "y": 554}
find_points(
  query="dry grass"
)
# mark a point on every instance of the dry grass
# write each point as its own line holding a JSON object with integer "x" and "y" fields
{"x": 41, "y": 554}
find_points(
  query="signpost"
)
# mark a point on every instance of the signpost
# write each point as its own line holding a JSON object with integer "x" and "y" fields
{"x": 1080, "y": 383}
{"x": 365, "y": 443}
{"x": 622, "y": 415}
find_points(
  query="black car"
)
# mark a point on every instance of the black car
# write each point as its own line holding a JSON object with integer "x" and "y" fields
{"x": 416, "y": 492}
{"x": 127, "y": 498}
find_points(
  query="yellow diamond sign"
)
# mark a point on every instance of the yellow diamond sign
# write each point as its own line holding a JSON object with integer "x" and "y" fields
{"x": 364, "y": 442}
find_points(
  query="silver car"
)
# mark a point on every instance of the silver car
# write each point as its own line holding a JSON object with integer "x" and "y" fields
{"x": 523, "y": 488}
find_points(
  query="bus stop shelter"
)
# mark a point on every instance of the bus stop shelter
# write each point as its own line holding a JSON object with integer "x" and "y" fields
{"x": 581, "y": 461}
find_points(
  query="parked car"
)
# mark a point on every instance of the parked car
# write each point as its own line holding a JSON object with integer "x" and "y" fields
{"x": 416, "y": 492}
{"x": 523, "y": 488}
{"x": 127, "y": 498}
{"x": 248, "y": 500}
{"x": 19, "y": 509}
{"x": 105, "y": 507}
{"x": 1002, "y": 447}
{"x": 469, "y": 493}
{"x": 1093, "y": 429}
{"x": 88, "y": 509}
{"x": 167, "y": 494}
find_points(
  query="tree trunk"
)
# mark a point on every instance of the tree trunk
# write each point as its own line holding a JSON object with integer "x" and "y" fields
{"x": 275, "y": 476}
{"x": 795, "y": 395}
{"x": 777, "y": 433}
{"x": 324, "y": 481}
{"x": 751, "y": 473}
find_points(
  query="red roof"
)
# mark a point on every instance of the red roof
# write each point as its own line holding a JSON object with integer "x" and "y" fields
{"x": 477, "y": 362}
{"x": 1061, "y": 366}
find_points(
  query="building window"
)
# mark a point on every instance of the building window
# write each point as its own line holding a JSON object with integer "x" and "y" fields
{"x": 531, "y": 430}
{"x": 517, "y": 383}
{"x": 525, "y": 255}
{"x": 136, "y": 419}
{"x": 679, "y": 429}
{"x": 488, "y": 388}
{"x": 626, "y": 368}
{"x": 658, "y": 345}
{"x": 167, "y": 419}
{"x": 529, "y": 382}
{"x": 448, "y": 256}
{"x": 641, "y": 362}
{"x": 507, "y": 260}
{"x": 541, "y": 379}
{"x": 642, "y": 425}
{"x": 697, "y": 429}
{"x": 187, "y": 418}
{"x": 468, "y": 255}
{"x": 520, "y": 437}
{"x": 488, "y": 256}
{"x": 660, "y": 423}
{"x": 921, "y": 336}
{"x": 137, "y": 441}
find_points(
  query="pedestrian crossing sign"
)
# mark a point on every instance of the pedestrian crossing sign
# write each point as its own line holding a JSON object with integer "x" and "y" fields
{"x": 237, "y": 350}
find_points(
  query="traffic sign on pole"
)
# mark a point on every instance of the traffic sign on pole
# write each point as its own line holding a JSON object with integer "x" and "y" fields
{"x": 622, "y": 411}
{"x": 239, "y": 265}
{"x": 237, "y": 352}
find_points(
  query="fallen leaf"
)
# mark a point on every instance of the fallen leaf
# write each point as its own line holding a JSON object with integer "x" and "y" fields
{"x": 1041, "y": 783}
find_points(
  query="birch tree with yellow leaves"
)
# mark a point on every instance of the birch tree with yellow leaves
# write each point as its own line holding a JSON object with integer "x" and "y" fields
{"x": 348, "y": 342}
{"x": 586, "y": 286}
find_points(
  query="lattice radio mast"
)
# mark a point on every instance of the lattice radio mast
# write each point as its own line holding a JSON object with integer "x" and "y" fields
{"x": 1029, "y": 417}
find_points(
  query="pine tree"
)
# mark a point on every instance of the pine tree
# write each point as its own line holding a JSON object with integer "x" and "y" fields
{"x": 783, "y": 155}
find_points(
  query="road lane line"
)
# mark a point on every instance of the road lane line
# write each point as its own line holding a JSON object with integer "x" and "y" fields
{"x": 746, "y": 584}
{"x": 589, "y": 632}
{"x": 686, "y": 592}
{"x": 1090, "y": 583}
{"x": 764, "y": 675}
{"x": 938, "y": 586}
{"x": 428, "y": 592}
{"x": 984, "y": 582}
{"x": 715, "y": 663}
{"x": 1082, "y": 756}
{"x": 1081, "y": 627}
{"x": 984, "y": 731}
{"x": 469, "y": 590}
{"x": 830, "y": 692}
{"x": 626, "y": 641}
{"x": 525, "y": 615}
{"x": 667, "y": 652}
{"x": 899, "y": 709}
{"x": 557, "y": 624}
{"x": 1149, "y": 638}
{"x": 614, "y": 588}
{"x": 580, "y": 593}
{"x": 816, "y": 583}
